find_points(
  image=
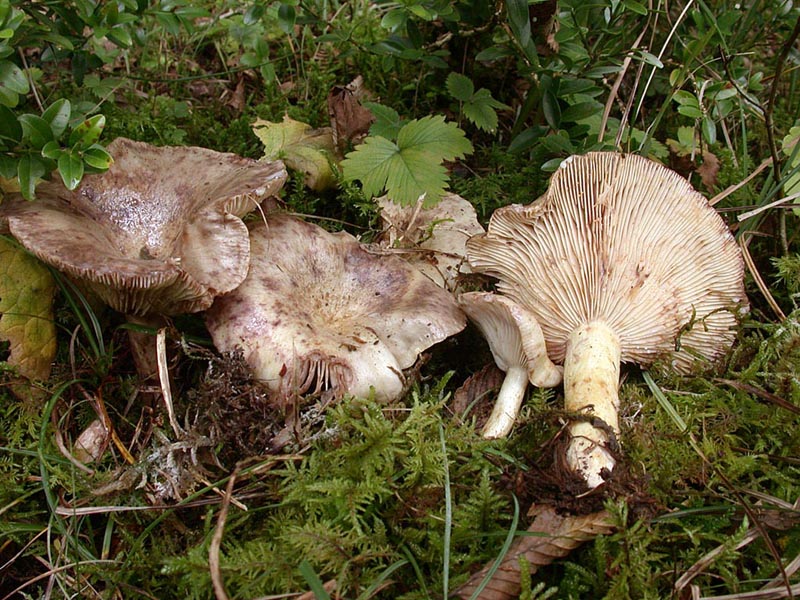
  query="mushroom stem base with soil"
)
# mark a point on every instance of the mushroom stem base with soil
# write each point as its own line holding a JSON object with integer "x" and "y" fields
{"x": 591, "y": 380}
{"x": 508, "y": 403}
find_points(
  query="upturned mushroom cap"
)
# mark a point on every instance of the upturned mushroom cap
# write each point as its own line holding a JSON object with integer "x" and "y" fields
{"x": 159, "y": 232}
{"x": 318, "y": 312}
{"x": 513, "y": 334}
{"x": 518, "y": 348}
{"x": 623, "y": 240}
{"x": 435, "y": 239}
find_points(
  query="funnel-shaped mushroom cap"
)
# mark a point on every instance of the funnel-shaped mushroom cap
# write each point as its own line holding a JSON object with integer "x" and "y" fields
{"x": 159, "y": 232}
{"x": 435, "y": 238}
{"x": 623, "y": 240}
{"x": 514, "y": 336}
{"x": 318, "y": 312}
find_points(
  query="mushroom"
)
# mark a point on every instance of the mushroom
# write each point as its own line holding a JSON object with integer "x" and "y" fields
{"x": 621, "y": 260}
{"x": 157, "y": 234}
{"x": 318, "y": 312}
{"x": 517, "y": 344}
{"x": 432, "y": 239}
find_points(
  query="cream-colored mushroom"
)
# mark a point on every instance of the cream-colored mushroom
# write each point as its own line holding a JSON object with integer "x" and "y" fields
{"x": 620, "y": 261}
{"x": 318, "y": 312}
{"x": 518, "y": 348}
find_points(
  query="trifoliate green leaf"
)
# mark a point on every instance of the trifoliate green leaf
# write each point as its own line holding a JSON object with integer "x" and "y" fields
{"x": 26, "y": 309}
{"x": 301, "y": 148}
{"x": 387, "y": 121}
{"x": 412, "y": 167}
{"x": 481, "y": 109}
{"x": 460, "y": 87}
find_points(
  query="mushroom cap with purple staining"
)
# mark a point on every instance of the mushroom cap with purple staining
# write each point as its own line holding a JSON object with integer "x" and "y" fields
{"x": 318, "y": 312}
{"x": 158, "y": 233}
{"x": 620, "y": 261}
{"x": 433, "y": 239}
{"x": 518, "y": 347}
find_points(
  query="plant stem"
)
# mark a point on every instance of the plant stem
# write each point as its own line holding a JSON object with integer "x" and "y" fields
{"x": 509, "y": 400}
{"x": 591, "y": 379}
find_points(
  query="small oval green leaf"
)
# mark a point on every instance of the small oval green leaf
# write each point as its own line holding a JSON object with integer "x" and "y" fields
{"x": 36, "y": 130}
{"x": 70, "y": 167}
{"x": 88, "y": 132}
{"x": 57, "y": 114}
{"x": 97, "y": 157}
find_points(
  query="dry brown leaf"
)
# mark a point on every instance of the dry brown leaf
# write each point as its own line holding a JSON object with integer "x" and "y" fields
{"x": 350, "y": 121}
{"x": 476, "y": 387}
{"x": 708, "y": 170}
{"x": 558, "y": 536}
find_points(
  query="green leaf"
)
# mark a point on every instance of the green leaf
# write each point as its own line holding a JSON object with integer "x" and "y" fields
{"x": 10, "y": 128}
{"x": 57, "y": 115}
{"x": 387, "y": 120}
{"x": 52, "y": 150}
{"x": 26, "y": 305}
{"x": 30, "y": 171}
{"x": 70, "y": 167}
{"x": 88, "y": 132}
{"x": 460, "y": 87}
{"x": 412, "y": 168}
{"x": 97, "y": 157}
{"x": 302, "y": 148}
{"x": 287, "y": 16}
{"x": 481, "y": 110}
{"x": 36, "y": 130}
{"x": 551, "y": 109}
{"x": 433, "y": 135}
{"x": 13, "y": 83}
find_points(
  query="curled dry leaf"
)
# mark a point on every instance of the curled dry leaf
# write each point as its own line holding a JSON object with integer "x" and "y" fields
{"x": 350, "y": 121}
{"x": 554, "y": 537}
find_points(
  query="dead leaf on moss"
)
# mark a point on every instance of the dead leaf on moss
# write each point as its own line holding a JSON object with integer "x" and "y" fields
{"x": 26, "y": 305}
{"x": 477, "y": 387}
{"x": 554, "y": 536}
{"x": 709, "y": 170}
{"x": 350, "y": 121}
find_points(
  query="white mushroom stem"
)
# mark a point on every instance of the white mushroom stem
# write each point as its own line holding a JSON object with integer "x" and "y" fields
{"x": 591, "y": 381}
{"x": 509, "y": 400}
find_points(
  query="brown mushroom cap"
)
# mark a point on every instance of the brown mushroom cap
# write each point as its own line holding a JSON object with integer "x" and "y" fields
{"x": 159, "y": 232}
{"x": 623, "y": 240}
{"x": 317, "y": 311}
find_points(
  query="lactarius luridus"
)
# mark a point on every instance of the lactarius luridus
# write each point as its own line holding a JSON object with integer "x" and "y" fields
{"x": 318, "y": 312}
{"x": 158, "y": 234}
{"x": 518, "y": 347}
{"x": 620, "y": 261}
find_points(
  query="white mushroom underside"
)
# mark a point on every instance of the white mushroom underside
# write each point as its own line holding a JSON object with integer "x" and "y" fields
{"x": 620, "y": 239}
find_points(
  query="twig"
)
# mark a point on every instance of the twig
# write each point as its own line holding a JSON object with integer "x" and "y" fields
{"x": 732, "y": 188}
{"x": 751, "y": 266}
{"x": 216, "y": 540}
{"x": 163, "y": 377}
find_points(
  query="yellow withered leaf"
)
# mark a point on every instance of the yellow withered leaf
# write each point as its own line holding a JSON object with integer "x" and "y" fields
{"x": 26, "y": 311}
